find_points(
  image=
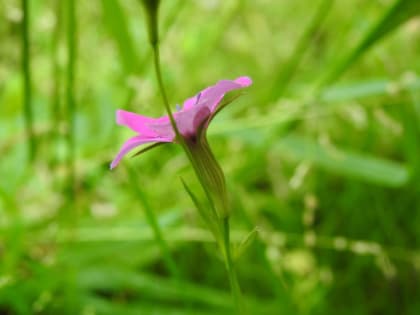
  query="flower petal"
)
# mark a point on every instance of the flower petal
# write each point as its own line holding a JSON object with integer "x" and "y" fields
{"x": 138, "y": 122}
{"x": 132, "y": 143}
{"x": 244, "y": 81}
{"x": 189, "y": 121}
{"x": 189, "y": 103}
{"x": 214, "y": 94}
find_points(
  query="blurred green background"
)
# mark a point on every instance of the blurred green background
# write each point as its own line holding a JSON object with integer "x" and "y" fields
{"x": 321, "y": 154}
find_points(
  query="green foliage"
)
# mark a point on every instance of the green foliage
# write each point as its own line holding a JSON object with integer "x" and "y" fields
{"x": 321, "y": 157}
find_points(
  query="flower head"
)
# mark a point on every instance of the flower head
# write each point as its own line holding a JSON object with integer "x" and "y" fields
{"x": 192, "y": 118}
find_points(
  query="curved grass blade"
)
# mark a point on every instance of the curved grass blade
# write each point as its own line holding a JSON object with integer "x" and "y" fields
{"x": 206, "y": 215}
{"x": 286, "y": 71}
{"x": 117, "y": 26}
{"x": 400, "y": 12}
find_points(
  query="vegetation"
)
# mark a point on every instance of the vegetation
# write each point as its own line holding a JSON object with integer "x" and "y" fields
{"x": 321, "y": 157}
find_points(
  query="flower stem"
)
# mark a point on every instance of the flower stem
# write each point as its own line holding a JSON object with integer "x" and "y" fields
{"x": 156, "y": 61}
{"x": 233, "y": 278}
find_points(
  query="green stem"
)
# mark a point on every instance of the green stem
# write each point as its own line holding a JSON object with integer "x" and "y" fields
{"x": 233, "y": 278}
{"x": 27, "y": 103}
{"x": 71, "y": 104}
{"x": 156, "y": 62}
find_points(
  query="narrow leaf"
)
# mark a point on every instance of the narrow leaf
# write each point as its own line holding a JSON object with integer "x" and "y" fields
{"x": 245, "y": 243}
{"x": 345, "y": 162}
{"x": 205, "y": 213}
{"x": 117, "y": 26}
{"x": 400, "y": 12}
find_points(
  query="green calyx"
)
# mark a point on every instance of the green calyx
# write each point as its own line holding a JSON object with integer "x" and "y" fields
{"x": 210, "y": 174}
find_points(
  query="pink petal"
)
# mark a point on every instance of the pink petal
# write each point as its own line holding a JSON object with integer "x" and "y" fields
{"x": 212, "y": 97}
{"x": 188, "y": 121}
{"x": 244, "y": 81}
{"x": 163, "y": 129}
{"x": 189, "y": 103}
{"x": 132, "y": 143}
{"x": 135, "y": 122}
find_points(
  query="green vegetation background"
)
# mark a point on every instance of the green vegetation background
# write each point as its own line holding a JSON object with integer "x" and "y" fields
{"x": 321, "y": 154}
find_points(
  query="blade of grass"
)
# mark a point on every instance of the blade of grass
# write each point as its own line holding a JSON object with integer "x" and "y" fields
{"x": 70, "y": 91}
{"x": 146, "y": 285}
{"x": 398, "y": 13}
{"x": 410, "y": 140}
{"x": 286, "y": 71}
{"x": 344, "y": 162}
{"x": 27, "y": 90}
{"x": 206, "y": 215}
{"x": 153, "y": 222}
{"x": 104, "y": 306}
{"x": 117, "y": 26}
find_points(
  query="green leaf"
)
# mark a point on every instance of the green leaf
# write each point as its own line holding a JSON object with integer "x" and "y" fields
{"x": 245, "y": 243}
{"x": 112, "y": 278}
{"x": 344, "y": 162}
{"x": 207, "y": 216}
{"x": 148, "y": 287}
{"x": 286, "y": 71}
{"x": 117, "y": 26}
{"x": 104, "y": 306}
{"x": 400, "y": 12}
{"x": 354, "y": 90}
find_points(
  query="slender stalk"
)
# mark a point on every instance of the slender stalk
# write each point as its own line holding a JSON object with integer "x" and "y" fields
{"x": 156, "y": 62}
{"x": 27, "y": 92}
{"x": 233, "y": 278}
{"x": 71, "y": 104}
{"x": 55, "y": 104}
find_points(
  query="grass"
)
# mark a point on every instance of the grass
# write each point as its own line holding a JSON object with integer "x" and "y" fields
{"x": 321, "y": 154}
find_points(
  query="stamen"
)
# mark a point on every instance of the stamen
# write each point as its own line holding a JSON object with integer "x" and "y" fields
{"x": 178, "y": 108}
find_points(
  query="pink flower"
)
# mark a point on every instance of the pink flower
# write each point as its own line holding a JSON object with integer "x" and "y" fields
{"x": 194, "y": 116}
